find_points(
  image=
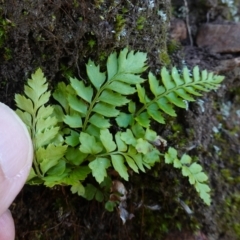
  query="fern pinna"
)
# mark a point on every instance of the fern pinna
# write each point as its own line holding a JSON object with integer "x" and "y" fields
{"x": 78, "y": 136}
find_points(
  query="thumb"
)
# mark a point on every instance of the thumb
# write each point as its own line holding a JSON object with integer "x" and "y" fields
{"x": 16, "y": 154}
{"x": 7, "y": 229}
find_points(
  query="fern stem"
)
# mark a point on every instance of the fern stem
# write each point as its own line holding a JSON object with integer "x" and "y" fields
{"x": 91, "y": 107}
{"x": 146, "y": 105}
{"x": 36, "y": 167}
{"x": 95, "y": 100}
{"x": 35, "y": 163}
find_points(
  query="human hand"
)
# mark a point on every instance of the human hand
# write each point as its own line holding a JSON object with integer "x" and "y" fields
{"x": 16, "y": 154}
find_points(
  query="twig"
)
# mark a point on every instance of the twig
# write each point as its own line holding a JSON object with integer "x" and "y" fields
{"x": 187, "y": 22}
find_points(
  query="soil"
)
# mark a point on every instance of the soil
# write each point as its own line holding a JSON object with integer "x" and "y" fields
{"x": 59, "y": 36}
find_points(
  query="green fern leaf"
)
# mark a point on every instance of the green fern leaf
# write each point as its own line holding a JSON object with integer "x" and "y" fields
{"x": 112, "y": 65}
{"x": 118, "y": 164}
{"x": 45, "y": 112}
{"x": 173, "y": 98}
{"x": 93, "y": 130}
{"x": 99, "y": 121}
{"x": 42, "y": 124}
{"x": 78, "y": 188}
{"x": 194, "y": 172}
{"x": 107, "y": 140}
{"x": 121, "y": 88}
{"x": 44, "y": 138}
{"x": 171, "y": 155}
{"x": 96, "y": 77}
{"x": 131, "y": 163}
{"x": 85, "y": 93}
{"x": 121, "y": 146}
{"x": 89, "y": 144}
{"x": 204, "y": 192}
{"x": 50, "y": 155}
{"x": 77, "y": 104}
{"x": 73, "y": 121}
{"x": 132, "y": 107}
{"x": 150, "y": 158}
{"x": 196, "y": 74}
{"x": 186, "y": 159}
{"x": 131, "y": 63}
{"x": 143, "y": 146}
{"x": 113, "y": 98}
{"x": 129, "y": 78}
{"x": 99, "y": 166}
{"x": 153, "y": 111}
{"x": 24, "y": 104}
{"x": 176, "y": 77}
{"x": 141, "y": 94}
{"x": 174, "y": 91}
{"x": 124, "y": 119}
{"x": 46, "y": 124}
{"x": 167, "y": 79}
{"x": 79, "y": 173}
{"x": 187, "y": 78}
{"x": 105, "y": 110}
{"x": 164, "y": 105}
{"x": 26, "y": 118}
{"x": 74, "y": 156}
{"x": 73, "y": 139}
{"x": 138, "y": 131}
{"x": 138, "y": 158}
{"x": 61, "y": 95}
{"x": 128, "y": 137}
{"x": 143, "y": 119}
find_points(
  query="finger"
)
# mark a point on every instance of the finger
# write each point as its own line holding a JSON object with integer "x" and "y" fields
{"x": 16, "y": 153}
{"x": 7, "y": 229}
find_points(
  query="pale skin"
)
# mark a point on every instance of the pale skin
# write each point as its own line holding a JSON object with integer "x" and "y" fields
{"x": 16, "y": 154}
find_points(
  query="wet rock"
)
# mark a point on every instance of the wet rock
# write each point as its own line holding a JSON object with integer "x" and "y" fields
{"x": 221, "y": 38}
{"x": 178, "y": 30}
{"x": 227, "y": 65}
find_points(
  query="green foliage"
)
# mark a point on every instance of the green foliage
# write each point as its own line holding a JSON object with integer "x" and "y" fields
{"x": 193, "y": 171}
{"x": 105, "y": 124}
{"x": 50, "y": 166}
{"x": 174, "y": 90}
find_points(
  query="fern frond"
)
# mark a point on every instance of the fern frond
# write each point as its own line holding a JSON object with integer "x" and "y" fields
{"x": 86, "y": 112}
{"x": 193, "y": 171}
{"x": 41, "y": 123}
{"x": 106, "y": 90}
{"x": 174, "y": 91}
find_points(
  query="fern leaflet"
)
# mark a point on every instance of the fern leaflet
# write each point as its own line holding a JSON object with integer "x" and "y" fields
{"x": 173, "y": 91}
{"x": 193, "y": 171}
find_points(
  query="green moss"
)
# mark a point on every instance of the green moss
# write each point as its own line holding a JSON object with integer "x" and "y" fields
{"x": 75, "y": 3}
{"x": 91, "y": 43}
{"x": 98, "y": 3}
{"x": 164, "y": 58}
{"x": 7, "y": 54}
{"x": 103, "y": 56}
{"x": 231, "y": 216}
{"x": 5, "y": 25}
{"x": 141, "y": 22}
{"x": 119, "y": 24}
{"x": 173, "y": 46}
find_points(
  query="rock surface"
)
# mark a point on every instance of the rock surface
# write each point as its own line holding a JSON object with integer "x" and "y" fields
{"x": 220, "y": 38}
{"x": 178, "y": 30}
